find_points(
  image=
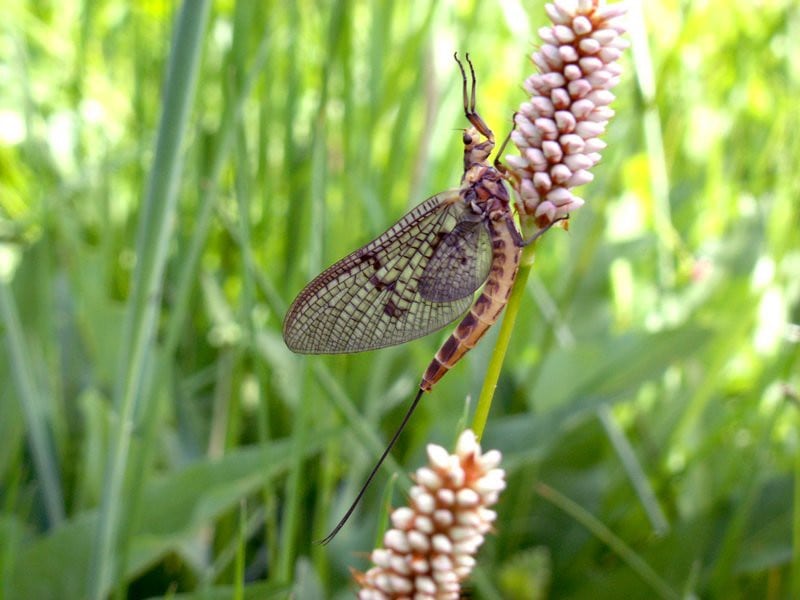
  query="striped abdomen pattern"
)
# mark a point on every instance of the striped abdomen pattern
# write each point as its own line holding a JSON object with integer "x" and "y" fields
{"x": 486, "y": 309}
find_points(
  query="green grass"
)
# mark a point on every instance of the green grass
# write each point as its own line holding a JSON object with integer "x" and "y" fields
{"x": 158, "y": 439}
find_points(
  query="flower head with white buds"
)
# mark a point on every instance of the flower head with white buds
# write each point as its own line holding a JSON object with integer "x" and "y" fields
{"x": 557, "y": 131}
{"x": 432, "y": 544}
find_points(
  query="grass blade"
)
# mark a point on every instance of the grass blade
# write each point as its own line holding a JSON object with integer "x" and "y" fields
{"x": 39, "y": 439}
{"x": 157, "y": 217}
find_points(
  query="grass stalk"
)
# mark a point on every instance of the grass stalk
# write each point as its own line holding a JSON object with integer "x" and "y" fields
{"x": 36, "y": 419}
{"x": 634, "y": 470}
{"x": 795, "y": 565}
{"x": 605, "y": 535}
{"x": 154, "y": 234}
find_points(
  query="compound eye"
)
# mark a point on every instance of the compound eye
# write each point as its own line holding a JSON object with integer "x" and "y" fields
{"x": 467, "y": 139}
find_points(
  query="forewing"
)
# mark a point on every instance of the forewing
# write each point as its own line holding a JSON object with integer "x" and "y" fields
{"x": 370, "y": 298}
{"x": 460, "y": 263}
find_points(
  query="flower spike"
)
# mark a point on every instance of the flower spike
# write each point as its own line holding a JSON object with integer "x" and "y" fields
{"x": 557, "y": 130}
{"x": 431, "y": 546}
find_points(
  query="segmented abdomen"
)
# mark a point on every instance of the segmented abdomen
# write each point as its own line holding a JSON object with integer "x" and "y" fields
{"x": 485, "y": 311}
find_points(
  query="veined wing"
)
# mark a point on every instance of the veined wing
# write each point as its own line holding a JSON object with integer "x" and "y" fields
{"x": 370, "y": 299}
{"x": 460, "y": 263}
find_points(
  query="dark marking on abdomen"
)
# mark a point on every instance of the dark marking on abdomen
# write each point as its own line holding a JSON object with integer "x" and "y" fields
{"x": 447, "y": 350}
{"x": 433, "y": 373}
{"x": 466, "y": 326}
{"x": 481, "y": 305}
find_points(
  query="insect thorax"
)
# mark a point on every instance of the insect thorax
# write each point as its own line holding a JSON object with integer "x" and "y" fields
{"x": 483, "y": 191}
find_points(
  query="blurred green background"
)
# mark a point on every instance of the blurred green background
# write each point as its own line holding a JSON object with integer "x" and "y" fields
{"x": 156, "y": 436}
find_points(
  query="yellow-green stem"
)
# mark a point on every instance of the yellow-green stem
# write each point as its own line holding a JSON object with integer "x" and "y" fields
{"x": 503, "y": 339}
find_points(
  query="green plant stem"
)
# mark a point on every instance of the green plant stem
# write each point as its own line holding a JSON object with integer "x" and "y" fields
{"x": 503, "y": 339}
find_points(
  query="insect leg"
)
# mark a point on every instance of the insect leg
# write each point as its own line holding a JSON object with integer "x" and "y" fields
{"x": 498, "y": 163}
{"x": 470, "y": 100}
{"x": 463, "y": 83}
{"x": 474, "y": 85}
{"x": 541, "y": 232}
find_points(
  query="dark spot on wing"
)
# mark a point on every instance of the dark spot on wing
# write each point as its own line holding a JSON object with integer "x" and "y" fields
{"x": 371, "y": 258}
{"x": 380, "y": 284}
{"x": 393, "y": 310}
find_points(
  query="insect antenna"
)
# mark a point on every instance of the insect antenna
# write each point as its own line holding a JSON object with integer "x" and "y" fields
{"x": 377, "y": 466}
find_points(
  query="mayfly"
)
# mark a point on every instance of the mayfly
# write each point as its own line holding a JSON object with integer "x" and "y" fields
{"x": 421, "y": 274}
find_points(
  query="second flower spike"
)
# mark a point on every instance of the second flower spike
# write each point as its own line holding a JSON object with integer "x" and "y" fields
{"x": 432, "y": 544}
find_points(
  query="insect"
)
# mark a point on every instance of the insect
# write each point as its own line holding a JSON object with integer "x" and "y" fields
{"x": 421, "y": 274}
